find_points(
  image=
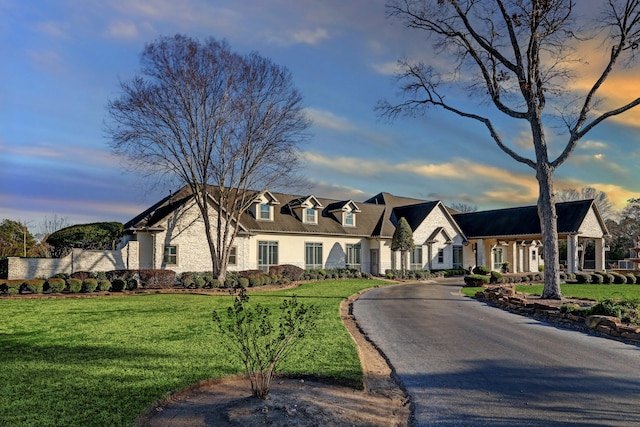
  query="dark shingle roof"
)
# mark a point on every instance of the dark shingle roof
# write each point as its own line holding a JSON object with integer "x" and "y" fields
{"x": 521, "y": 221}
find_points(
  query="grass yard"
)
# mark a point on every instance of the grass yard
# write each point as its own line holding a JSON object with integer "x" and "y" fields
{"x": 595, "y": 292}
{"x": 101, "y": 361}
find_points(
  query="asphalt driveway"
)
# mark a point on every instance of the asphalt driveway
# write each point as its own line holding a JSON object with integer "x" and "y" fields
{"x": 468, "y": 364}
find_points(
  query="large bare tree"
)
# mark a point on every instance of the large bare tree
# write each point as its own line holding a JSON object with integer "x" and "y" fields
{"x": 605, "y": 207}
{"x": 517, "y": 56}
{"x": 220, "y": 122}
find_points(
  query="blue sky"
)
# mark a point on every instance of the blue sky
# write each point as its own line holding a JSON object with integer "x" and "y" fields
{"x": 64, "y": 60}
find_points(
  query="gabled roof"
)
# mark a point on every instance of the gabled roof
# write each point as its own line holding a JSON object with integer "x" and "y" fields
{"x": 343, "y": 206}
{"x": 305, "y": 202}
{"x": 524, "y": 221}
{"x": 157, "y": 212}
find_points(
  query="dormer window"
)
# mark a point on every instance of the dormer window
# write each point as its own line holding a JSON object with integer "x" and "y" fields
{"x": 262, "y": 206}
{"x": 349, "y": 219}
{"x": 310, "y": 216}
{"x": 265, "y": 212}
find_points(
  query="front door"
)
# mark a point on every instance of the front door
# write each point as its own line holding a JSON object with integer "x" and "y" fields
{"x": 373, "y": 256}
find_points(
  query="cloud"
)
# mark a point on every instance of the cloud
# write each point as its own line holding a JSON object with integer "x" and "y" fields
{"x": 125, "y": 30}
{"x": 328, "y": 120}
{"x": 293, "y": 37}
{"x": 592, "y": 145}
{"x": 52, "y": 29}
{"x": 390, "y": 68}
{"x": 47, "y": 60}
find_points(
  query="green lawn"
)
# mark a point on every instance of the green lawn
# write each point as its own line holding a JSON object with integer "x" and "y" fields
{"x": 595, "y": 292}
{"x": 101, "y": 361}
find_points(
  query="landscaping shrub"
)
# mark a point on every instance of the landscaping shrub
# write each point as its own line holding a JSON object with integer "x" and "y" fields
{"x": 156, "y": 278}
{"x": 35, "y": 285}
{"x": 104, "y": 285}
{"x": 631, "y": 279}
{"x": 496, "y": 276}
{"x": 583, "y": 278}
{"x": 599, "y": 278}
{"x": 118, "y": 285}
{"x": 294, "y": 273}
{"x": 476, "y": 280}
{"x": 82, "y": 275}
{"x": 481, "y": 269}
{"x": 619, "y": 279}
{"x": 628, "y": 311}
{"x": 56, "y": 284}
{"x": 75, "y": 285}
{"x": 187, "y": 280}
{"x": 243, "y": 282}
{"x": 90, "y": 284}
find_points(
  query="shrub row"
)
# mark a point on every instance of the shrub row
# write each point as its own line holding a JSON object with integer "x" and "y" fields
{"x": 422, "y": 274}
{"x": 606, "y": 278}
{"x": 53, "y": 285}
{"x": 84, "y": 281}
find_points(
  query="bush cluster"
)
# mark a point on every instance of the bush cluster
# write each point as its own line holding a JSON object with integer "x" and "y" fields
{"x": 87, "y": 282}
{"x": 627, "y": 310}
{"x": 421, "y": 274}
{"x": 605, "y": 278}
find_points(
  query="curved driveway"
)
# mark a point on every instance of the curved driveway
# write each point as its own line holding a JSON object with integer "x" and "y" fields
{"x": 464, "y": 363}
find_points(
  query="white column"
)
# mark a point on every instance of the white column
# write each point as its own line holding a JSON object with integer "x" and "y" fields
{"x": 480, "y": 253}
{"x": 600, "y": 255}
{"x": 573, "y": 260}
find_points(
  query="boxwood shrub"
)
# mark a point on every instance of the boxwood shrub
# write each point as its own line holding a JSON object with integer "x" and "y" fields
{"x": 90, "y": 284}
{"x": 35, "y": 285}
{"x": 75, "y": 285}
{"x": 118, "y": 285}
{"x": 56, "y": 284}
{"x": 104, "y": 285}
{"x": 476, "y": 280}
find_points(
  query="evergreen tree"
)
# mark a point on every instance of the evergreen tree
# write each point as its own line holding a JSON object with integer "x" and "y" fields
{"x": 402, "y": 241}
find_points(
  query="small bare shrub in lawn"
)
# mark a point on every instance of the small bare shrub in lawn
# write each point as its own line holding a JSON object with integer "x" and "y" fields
{"x": 260, "y": 339}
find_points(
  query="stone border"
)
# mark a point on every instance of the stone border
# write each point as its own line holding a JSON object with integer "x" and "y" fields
{"x": 506, "y": 298}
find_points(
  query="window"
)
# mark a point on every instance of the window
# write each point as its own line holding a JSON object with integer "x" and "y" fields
{"x": 457, "y": 257}
{"x": 440, "y": 256}
{"x": 349, "y": 219}
{"x": 498, "y": 257}
{"x": 170, "y": 255}
{"x": 533, "y": 255}
{"x": 415, "y": 258}
{"x": 310, "y": 216}
{"x": 267, "y": 255}
{"x": 313, "y": 255}
{"x": 264, "y": 212}
{"x": 353, "y": 256}
{"x": 233, "y": 256}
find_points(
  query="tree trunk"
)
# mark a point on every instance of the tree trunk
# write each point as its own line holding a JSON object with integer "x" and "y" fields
{"x": 549, "y": 228}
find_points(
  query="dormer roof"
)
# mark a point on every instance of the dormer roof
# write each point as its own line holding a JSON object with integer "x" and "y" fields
{"x": 343, "y": 206}
{"x": 307, "y": 202}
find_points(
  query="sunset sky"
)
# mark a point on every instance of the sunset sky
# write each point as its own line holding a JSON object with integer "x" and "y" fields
{"x": 64, "y": 60}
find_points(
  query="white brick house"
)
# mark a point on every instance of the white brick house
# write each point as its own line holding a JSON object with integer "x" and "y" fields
{"x": 314, "y": 232}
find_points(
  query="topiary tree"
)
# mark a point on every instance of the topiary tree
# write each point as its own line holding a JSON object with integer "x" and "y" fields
{"x": 402, "y": 241}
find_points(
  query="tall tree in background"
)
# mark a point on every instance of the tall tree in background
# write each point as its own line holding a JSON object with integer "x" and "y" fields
{"x": 463, "y": 207}
{"x": 605, "y": 207}
{"x": 15, "y": 239}
{"x": 402, "y": 241}
{"x": 214, "y": 120}
{"x": 516, "y": 56}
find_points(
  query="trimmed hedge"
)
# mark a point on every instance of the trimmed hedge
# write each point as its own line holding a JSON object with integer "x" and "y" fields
{"x": 56, "y": 284}
{"x": 90, "y": 284}
{"x": 75, "y": 285}
{"x": 35, "y": 285}
{"x": 476, "y": 280}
